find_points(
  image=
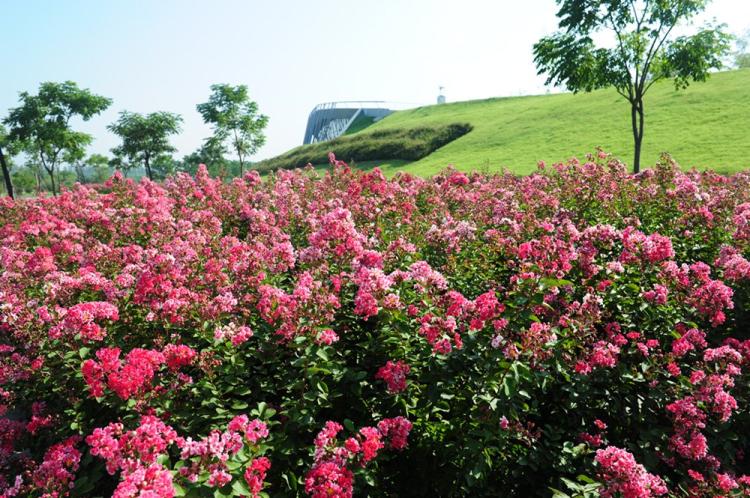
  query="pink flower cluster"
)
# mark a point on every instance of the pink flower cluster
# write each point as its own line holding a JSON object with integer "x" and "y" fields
{"x": 623, "y": 476}
{"x": 55, "y": 475}
{"x": 135, "y": 455}
{"x": 330, "y": 475}
{"x": 80, "y": 319}
{"x": 237, "y": 334}
{"x": 212, "y": 452}
{"x": 394, "y": 375}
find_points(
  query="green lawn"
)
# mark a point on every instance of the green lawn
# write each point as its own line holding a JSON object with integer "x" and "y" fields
{"x": 706, "y": 126}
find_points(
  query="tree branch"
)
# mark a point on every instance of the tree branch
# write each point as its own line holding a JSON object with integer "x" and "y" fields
{"x": 650, "y": 60}
{"x": 621, "y": 46}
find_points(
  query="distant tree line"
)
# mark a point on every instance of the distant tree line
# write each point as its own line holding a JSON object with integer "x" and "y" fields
{"x": 41, "y": 151}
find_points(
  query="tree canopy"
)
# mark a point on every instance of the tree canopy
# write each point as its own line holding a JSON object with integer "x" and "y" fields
{"x": 235, "y": 119}
{"x": 42, "y": 122}
{"x": 643, "y": 50}
{"x": 144, "y": 138}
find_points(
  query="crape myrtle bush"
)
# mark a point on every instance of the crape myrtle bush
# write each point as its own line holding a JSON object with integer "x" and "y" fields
{"x": 579, "y": 331}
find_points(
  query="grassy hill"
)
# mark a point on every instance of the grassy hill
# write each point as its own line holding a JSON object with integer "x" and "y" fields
{"x": 706, "y": 126}
{"x": 407, "y": 144}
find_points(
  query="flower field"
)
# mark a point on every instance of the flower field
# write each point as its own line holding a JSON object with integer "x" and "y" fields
{"x": 576, "y": 332}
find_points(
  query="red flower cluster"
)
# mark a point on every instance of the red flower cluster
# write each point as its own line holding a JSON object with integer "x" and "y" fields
{"x": 394, "y": 375}
{"x": 133, "y": 376}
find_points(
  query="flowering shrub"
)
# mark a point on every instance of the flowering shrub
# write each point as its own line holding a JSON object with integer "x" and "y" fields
{"x": 579, "y": 332}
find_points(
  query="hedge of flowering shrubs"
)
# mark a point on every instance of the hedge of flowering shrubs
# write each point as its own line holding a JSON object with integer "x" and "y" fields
{"x": 576, "y": 332}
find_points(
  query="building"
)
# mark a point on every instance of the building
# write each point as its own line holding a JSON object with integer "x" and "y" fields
{"x": 333, "y": 119}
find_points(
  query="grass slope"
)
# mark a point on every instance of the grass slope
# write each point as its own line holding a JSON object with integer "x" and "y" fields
{"x": 706, "y": 126}
{"x": 408, "y": 144}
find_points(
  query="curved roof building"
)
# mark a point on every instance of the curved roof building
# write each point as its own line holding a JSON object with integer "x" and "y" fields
{"x": 332, "y": 119}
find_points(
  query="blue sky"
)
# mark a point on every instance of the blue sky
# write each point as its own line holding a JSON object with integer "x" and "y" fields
{"x": 164, "y": 54}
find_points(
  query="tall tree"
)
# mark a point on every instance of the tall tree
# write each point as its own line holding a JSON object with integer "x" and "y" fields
{"x": 144, "y": 138}
{"x": 42, "y": 122}
{"x": 644, "y": 50}
{"x": 6, "y": 146}
{"x": 235, "y": 119}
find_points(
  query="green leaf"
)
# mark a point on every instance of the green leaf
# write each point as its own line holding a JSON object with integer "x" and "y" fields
{"x": 240, "y": 488}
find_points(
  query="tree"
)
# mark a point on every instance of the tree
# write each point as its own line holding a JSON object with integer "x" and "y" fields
{"x": 42, "y": 122}
{"x": 210, "y": 153}
{"x": 742, "y": 56}
{"x": 6, "y": 146}
{"x": 144, "y": 138}
{"x": 98, "y": 166}
{"x": 164, "y": 165}
{"x": 235, "y": 119}
{"x": 33, "y": 166}
{"x": 644, "y": 50}
{"x": 120, "y": 163}
{"x": 75, "y": 159}
{"x": 24, "y": 179}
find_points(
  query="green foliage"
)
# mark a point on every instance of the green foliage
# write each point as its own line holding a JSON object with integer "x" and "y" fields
{"x": 97, "y": 168}
{"x": 9, "y": 146}
{"x": 164, "y": 165}
{"x": 120, "y": 163}
{"x": 644, "y": 52}
{"x": 405, "y": 144}
{"x": 211, "y": 153}
{"x": 144, "y": 138}
{"x": 24, "y": 180}
{"x": 42, "y": 122}
{"x": 235, "y": 119}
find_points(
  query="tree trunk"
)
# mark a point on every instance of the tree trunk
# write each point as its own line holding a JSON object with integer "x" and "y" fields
{"x": 636, "y": 116}
{"x": 38, "y": 178}
{"x": 148, "y": 169}
{"x": 79, "y": 173}
{"x": 6, "y": 174}
{"x": 239, "y": 151}
{"x": 51, "y": 173}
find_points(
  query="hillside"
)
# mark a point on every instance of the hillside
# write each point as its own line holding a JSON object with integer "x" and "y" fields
{"x": 406, "y": 144}
{"x": 706, "y": 126}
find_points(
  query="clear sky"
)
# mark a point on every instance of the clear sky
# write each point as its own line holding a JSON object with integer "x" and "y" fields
{"x": 162, "y": 55}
